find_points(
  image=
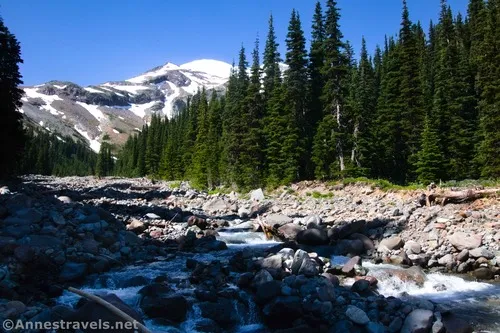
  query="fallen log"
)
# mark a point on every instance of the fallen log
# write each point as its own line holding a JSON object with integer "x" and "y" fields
{"x": 459, "y": 196}
{"x": 111, "y": 308}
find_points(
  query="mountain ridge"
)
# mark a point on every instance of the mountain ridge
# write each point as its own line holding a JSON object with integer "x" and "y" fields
{"x": 119, "y": 108}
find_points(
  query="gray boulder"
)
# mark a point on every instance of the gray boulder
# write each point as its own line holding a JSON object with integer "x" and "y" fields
{"x": 356, "y": 315}
{"x": 461, "y": 241}
{"x": 418, "y": 321}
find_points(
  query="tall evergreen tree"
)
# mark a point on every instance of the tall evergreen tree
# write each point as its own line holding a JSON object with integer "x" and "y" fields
{"x": 11, "y": 136}
{"x": 335, "y": 73}
{"x": 201, "y": 148}
{"x": 430, "y": 162}
{"x": 295, "y": 81}
{"x": 271, "y": 61}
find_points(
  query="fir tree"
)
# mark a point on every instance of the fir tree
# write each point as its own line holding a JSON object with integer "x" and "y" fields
{"x": 271, "y": 61}
{"x": 430, "y": 162}
{"x": 12, "y": 135}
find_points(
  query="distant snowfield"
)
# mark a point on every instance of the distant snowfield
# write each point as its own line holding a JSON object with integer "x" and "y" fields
{"x": 129, "y": 89}
{"x": 140, "y": 109}
{"x": 94, "y": 110}
{"x": 92, "y": 90}
{"x": 93, "y": 143}
{"x": 209, "y": 66}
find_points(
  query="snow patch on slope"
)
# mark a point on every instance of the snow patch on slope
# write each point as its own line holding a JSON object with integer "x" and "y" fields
{"x": 32, "y": 93}
{"x": 92, "y": 90}
{"x": 140, "y": 109}
{"x": 129, "y": 89}
{"x": 94, "y": 110}
{"x": 94, "y": 144}
{"x": 213, "y": 67}
{"x": 157, "y": 72}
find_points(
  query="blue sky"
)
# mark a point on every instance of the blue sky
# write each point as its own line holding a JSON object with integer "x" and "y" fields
{"x": 93, "y": 41}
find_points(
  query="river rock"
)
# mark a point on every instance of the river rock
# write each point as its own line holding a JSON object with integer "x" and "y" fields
{"x": 418, "y": 321}
{"x": 267, "y": 291}
{"x": 278, "y": 220}
{"x": 453, "y": 323}
{"x": 243, "y": 212}
{"x": 136, "y": 226}
{"x": 446, "y": 260}
{"x": 483, "y": 273}
{"x": 290, "y": 231}
{"x": 172, "y": 308}
{"x": 313, "y": 221}
{"x": 356, "y": 315}
{"x": 24, "y": 253}
{"x": 281, "y": 312}
{"x": 91, "y": 311}
{"x": 299, "y": 256}
{"x": 313, "y": 237}
{"x": 461, "y": 241}
{"x": 274, "y": 265}
{"x": 367, "y": 242}
{"x": 257, "y": 195}
{"x": 216, "y": 205}
{"x": 72, "y": 271}
{"x": 309, "y": 268}
{"x": 65, "y": 199}
{"x": 348, "y": 268}
{"x": 373, "y": 327}
{"x": 223, "y": 312}
{"x": 389, "y": 244}
{"x": 261, "y": 277}
{"x": 463, "y": 255}
{"x": 412, "y": 247}
{"x": 481, "y": 252}
{"x": 15, "y": 231}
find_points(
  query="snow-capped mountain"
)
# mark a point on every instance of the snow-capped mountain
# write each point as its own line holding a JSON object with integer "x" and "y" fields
{"x": 119, "y": 108}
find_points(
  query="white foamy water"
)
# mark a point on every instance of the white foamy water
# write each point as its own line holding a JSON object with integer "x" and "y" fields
{"x": 477, "y": 302}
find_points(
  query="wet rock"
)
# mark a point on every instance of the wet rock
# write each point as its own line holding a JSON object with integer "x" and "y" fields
{"x": 274, "y": 265}
{"x": 308, "y": 268}
{"x": 24, "y": 253}
{"x": 57, "y": 218}
{"x": 245, "y": 279}
{"x": 223, "y": 312}
{"x": 361, "y": 286}
{"x": 15, "y": 231}
{"x": 209, "y": 243}
{"x": 152, "y": 216}
{"x": 326, "y": 292}
{"x": 350, "y": 247}
{"x": 13, "y": 309}
{"x": 350, "y": 228}
{"x": 313, "y": 237}
{"x": 367, "y": 242}
{"x": 65, "y": 199}
{"x": 395, "y": 325}
{"x": 418, "y": 321}
{"x": 72, "y": 271}
{"x": 206, "y": 295}
{"x": 332, "y": 278}
{"x": 452, "y": 323}
{"x": 389, "y": 244}
{"x": 483, "y": 273}
{"x": 135, "y": 281}
{"x": 42, "y": 241}
{"x": 348, "y": 268}
{"x": 299, "y": 256}
{"x": 205, "y": 325}
{"x": 267, "y": 291}
{"x": 373, "y": 327}
{"x": 172, "y": 308}
{"x": 461, "y": 241}
{"x": 281, "y": 311}
{"x": 261, "y": 277}
{"x": 91, "y": 311}
{"x": 313, "y": 221}
{"x": 356, "y": 315}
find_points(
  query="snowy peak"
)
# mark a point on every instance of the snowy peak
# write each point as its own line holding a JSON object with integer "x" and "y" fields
{"x": 120, "y": 108}
{"x": 213, "y": 67}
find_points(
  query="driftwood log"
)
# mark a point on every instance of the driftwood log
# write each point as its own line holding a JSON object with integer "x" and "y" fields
{"x": 459, "y": 196}
{"x": 111, "y": 308}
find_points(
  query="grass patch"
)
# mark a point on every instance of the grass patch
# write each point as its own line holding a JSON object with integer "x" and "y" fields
{"x": 381, "y": 184}
{"x": 471, "y": 183}
{"x": 319, "y": 195}
{"x": 175, "y": 184}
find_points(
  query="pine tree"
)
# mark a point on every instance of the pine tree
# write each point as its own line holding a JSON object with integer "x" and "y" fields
{"x": 213, "y": 140}
{"x": 364, "y": 87}
{"x": 271, "y": 61}
{"x": 335, "y": 73}
{"x": 295, "y": 81}
{"x": 201, "y": 148}
{"x": 12, "y": 135}
{"x": 412, "y": 112}
{"x": 488, "y": 84}
{"x": 430, "y": 161}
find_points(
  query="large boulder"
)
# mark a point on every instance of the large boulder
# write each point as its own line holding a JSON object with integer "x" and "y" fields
{"x": 172, "y": 308}
{"x": 389, "y": 244}
{"x": 461, "y": 240}
{"x": 273, "y": 264}
{"x": 72, "y": 271}
{"x": 481, "y": 252}
{"x": 455, "y": 324}
{"x": 299, "y": 256}
{"x": 290, "y": 231}
{"x": 282, "y": 311}
{"x": 223, "y": 312}
{"x": 356, "y": 315}
{"x": 313, "y": 237}
{"x": 418, "y": 321}
{"x": 216, "y": 205}
{"x": 309, "y": 267}
{"x": 90, "y": 311}
{"x": 257, "y": 195}
{"x": 278, "y": 220}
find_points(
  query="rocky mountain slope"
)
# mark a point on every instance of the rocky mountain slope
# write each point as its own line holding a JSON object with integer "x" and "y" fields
{"x": 118, "y": 108}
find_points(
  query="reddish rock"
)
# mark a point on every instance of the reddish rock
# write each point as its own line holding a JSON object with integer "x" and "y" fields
{"x": 439, "y": 226}
{"x": 349, "y": 266}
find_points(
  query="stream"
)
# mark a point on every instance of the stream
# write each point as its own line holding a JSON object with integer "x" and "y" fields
{"x": 477, "y": 302}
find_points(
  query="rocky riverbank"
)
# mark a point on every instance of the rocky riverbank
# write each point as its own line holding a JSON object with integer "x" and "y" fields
{"x": 55, "y": 232}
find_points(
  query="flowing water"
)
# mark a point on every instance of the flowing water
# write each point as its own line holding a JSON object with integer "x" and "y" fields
{"x": 478, "y": 302}
{"x": 175, "y": 269}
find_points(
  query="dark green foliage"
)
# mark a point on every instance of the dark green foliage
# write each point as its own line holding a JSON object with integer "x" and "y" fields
{"x": 50, "y": 154}
{"x": 423, "y": 108}
{"x": 11, "y": 135}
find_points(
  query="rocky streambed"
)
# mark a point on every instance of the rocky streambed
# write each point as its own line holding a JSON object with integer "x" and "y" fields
{"x": 346, "y": 259}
